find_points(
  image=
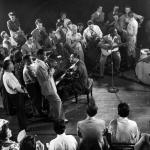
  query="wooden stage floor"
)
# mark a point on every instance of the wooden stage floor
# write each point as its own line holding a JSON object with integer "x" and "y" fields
{"x": 136, "y": 95}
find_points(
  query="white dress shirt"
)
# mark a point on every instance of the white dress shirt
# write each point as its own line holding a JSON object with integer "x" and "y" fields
{"x": 63, "y": 142}
{"x": 127, "y": 131}
{"x": 10, "y": 82}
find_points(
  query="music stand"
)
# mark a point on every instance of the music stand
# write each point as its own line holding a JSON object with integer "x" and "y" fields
{"x": 112, "y": 89}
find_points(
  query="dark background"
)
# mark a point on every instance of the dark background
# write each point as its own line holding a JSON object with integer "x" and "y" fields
{"x": 49, "y": 10}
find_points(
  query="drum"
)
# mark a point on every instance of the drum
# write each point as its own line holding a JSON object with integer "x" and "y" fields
{"x": 142, "y": 70}
{"x": 144, "y": 53}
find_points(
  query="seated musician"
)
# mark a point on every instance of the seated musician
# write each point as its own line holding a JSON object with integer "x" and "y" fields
{"x": 109, "y": 47}
{"x": 77, "y": 80}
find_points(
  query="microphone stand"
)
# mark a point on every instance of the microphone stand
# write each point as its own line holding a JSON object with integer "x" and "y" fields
{"x": 112, "y": 89}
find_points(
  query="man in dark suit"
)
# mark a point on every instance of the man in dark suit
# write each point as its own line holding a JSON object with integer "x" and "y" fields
{"x": 81, "y": 82}
{"x": 91, "y": 129}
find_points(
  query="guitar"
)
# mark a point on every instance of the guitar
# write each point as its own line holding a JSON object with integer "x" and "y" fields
{"x": 107, "y": 49}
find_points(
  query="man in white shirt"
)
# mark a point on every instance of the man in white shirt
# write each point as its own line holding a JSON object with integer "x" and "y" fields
{"x": 15, "y": 93}
{"x": 122, "y": 129}
{"x": 62, "y": 141}
{"x": 92, "y": 32}
{"x": 125, "y": 17}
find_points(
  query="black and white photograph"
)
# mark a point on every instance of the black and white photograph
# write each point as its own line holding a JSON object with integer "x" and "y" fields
{"x": 74, "y": 74}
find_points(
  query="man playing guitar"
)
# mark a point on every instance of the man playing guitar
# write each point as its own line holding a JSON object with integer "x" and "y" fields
{"x": 110, "y": 46}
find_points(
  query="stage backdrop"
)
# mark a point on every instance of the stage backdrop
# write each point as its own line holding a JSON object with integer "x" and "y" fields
{"x": 49, "y": 10}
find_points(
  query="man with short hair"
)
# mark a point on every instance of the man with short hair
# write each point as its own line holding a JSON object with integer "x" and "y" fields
{"x": 40, "y": 35}
{"x": 91, "y": 129}
{"x": 92, "y": 32}
{"x": 125, "y": 17}
{"x": 122, "y": 129}
{"x": 6, "y": 42}
{"x": 48, "y": 88}
{"x": 15, "y": 30}
{"x": 63, "y": 19}
{"x": 98, "y": 17}
{"x": 32, "y": 85}
{"x": 62, "y": 141}
{"x": 13, "y": 24}
{"x": 30, "y": 47}
{"x": 15, "y": 93}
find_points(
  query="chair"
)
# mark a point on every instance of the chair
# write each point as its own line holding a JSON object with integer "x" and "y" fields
{"x": 87, "y": 91}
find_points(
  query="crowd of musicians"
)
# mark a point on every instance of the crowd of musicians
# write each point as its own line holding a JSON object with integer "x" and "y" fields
{"x": 30, "y": 61}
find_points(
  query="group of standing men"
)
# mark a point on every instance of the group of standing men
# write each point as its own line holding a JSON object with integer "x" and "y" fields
{"x": 67, "y": 39}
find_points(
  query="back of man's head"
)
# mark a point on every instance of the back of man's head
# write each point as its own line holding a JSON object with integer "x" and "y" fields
{"x": 59, "y": 126}
{"x": 92, "y": 108}
{"x": 123, "y": 110}
{"x": 28, "y": 143}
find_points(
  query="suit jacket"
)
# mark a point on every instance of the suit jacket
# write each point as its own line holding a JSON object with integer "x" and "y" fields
{"x": 45, "y": 79}
{"x": 83, "y": 75}
{"x": 91, "y": 131}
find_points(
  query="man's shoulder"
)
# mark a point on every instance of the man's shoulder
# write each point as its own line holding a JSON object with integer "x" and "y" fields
{"x": 86, "y": 29}
{"x": 9, "y": 21}
{"x": 96, "y": 120}
{"x": 34, "y": 31}
{"x": 70, "y": 137}
{"x": 132, "y": 122}
{"x": 96, "y": 27}
{"x": 94, "y": 14}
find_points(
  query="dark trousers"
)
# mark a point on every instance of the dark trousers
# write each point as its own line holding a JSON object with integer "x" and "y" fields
{"x": 35, "y": 94}
{"x": 19, "y": 100}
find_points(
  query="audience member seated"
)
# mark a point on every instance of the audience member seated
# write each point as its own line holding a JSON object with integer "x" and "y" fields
{"x": 62, "y": 141}
{"x": 122, "y": 129}
{"x": 5, "y": 135}
{"x": 143, "y": 143}
{"x": 91, "y": 129}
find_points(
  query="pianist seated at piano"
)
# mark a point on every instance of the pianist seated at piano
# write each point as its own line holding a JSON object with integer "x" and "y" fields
{"x": 74, "y": 80}
{"x": 110, "y": 46}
